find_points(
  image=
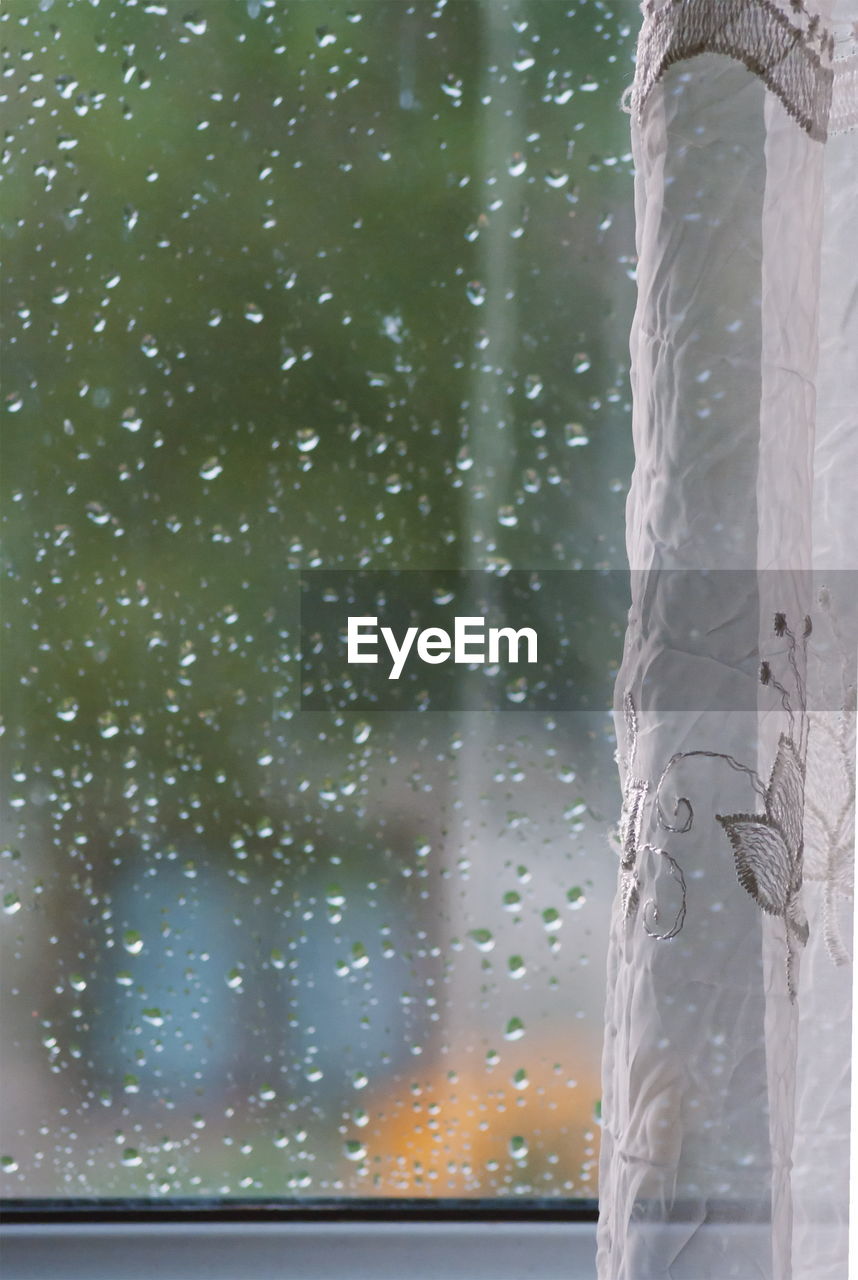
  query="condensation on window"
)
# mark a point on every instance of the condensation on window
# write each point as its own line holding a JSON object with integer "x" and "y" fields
{"x": 290, "y": 286}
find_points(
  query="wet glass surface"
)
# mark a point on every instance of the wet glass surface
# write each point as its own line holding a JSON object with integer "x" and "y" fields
{"x": 301, "y": 286}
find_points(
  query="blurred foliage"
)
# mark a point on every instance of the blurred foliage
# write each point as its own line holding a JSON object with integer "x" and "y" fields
{"x": 287, "y": 285}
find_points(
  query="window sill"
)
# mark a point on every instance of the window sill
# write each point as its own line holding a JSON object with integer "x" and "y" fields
{"x": 335, "y": 1250}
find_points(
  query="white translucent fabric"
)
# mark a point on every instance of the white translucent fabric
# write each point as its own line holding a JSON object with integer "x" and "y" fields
{"x": 728, "y": 1030}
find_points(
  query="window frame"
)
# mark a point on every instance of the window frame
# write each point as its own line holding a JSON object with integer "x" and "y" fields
{"x": 80, "y": 1237}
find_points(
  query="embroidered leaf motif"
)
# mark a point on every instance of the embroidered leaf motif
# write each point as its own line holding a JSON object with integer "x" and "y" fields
{"x": 631, "y": 819}
{"x": 767, "y": 847}
{"x": 763, "y": 860}
{"x": 797, "y": 921}
{"x": 629, "y": 893}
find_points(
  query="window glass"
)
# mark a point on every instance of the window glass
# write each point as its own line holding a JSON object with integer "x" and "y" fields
{"x": 297, "y": 286}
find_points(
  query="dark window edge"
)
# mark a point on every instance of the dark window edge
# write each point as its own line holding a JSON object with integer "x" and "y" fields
{"x": 85, "y": 1211}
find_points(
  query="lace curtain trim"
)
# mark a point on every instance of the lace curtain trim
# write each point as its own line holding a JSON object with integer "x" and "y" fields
{"x": 790, "y": 49}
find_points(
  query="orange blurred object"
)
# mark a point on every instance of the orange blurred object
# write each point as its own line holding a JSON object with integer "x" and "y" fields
{"x": 490, "y": 1127}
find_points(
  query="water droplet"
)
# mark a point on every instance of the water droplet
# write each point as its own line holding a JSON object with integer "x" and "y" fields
{"x": 131, "y": 420}
{"x": 517, "y": 165}
{"x": 482, "y": 939}
{"x": 476, "y": 292}
{"x": 514, "y": 1029}
{"x": 67, "y": 709}
{"x": 576, "y": 810}
{"x": 518, "y": 1148}
{"x": 507, "y": 517}
{"x": 187, "y": 657}
{"x": 107, "y": 725}
{"x": 324, "y": 37}
{"x": 131, "y": 1157}
{"x": 551, "y": 919}
{"x": 11, "y": 903}
{"x": 132, "y": 942}
{"x": 77, "y": 982}
{"x": 195, "y": 24}
{"x": 8, "y": 1164}
{"x": 464, "y": 461}
{"x": 575, "y": 435}
{"x": 253, "y": 313}
{"x": 512, "y": 900}
{"x": 523, "y": 62}
{"x": 211, "y": 469}
{"x": 97, "y": 513}
{"x": 580, "y": 362}
{"x": 393, "y": 484}
{"x": 517, "y": 967}
{"x": 306, "y": 439}
{"x": 153, "y": 1016}
{"x": 355, "y": 1150}
{"x": 267, "y": 1093}
{"x": 575, "y": 898}
{"x": 148, "y": 345}
{"x": 234, "y": 979}
{"x": 532, "y": 386}
{"x": 361, "y": 732}
{"x": 519, "y": 1079}
{"x": 556, "y": 178}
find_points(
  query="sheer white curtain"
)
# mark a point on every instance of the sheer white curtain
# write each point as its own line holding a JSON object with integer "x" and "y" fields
{"x": 725, "y": 1106}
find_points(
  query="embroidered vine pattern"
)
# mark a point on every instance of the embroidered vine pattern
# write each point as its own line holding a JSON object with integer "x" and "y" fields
{"x": 767, "y": 843}
{"x": 786, "y": 46}
{"x": 635, "y": 792}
